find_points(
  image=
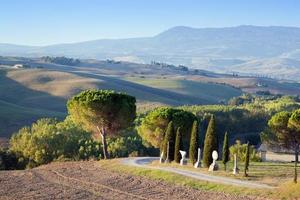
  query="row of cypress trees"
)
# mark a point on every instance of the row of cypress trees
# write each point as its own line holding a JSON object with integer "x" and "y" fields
{"x": 210, "y": 144}
{"x": 175, "y": 143}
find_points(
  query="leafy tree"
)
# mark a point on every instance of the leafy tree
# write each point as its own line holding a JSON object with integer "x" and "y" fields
{"x": 48, "y": 140}
{"x": 210, "y": 143}
{"x": 225, "y": 157}
{"x": 127, "y": 144}
{"x": 153, "y": 125}
{"x": 247, "y": 159}
{"x": 194, "y": 144}
{"x": 102, "y": 111}
{"x": 240, "y": 150}
{"x": 169, "y": 139}
{"x": 178, "y": 145}
{"x": 286, "y": 132}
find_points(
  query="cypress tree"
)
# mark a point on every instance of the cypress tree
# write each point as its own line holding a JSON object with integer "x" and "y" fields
{"x": 194, "y": 143}
{"x": 169, "y": 137}
{"x": 178, "y": 146}
{"x": 225, "y": 156}
{"x": 247, "y": 159}
{"x": 210, "y": 143}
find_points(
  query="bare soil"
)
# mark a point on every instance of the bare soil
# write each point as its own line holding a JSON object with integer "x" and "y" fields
{"x": 88, "y": 180}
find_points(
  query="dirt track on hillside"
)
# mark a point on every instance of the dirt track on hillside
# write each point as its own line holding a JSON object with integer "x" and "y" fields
{"x": 87, "y": 180}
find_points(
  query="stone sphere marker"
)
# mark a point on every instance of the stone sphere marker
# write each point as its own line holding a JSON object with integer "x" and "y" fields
{"x": 214, "y": 165}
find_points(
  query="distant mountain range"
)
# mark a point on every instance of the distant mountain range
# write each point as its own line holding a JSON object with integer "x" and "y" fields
{"x": 266, "y": 51}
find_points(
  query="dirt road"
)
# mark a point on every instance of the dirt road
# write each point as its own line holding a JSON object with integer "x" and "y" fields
{"x": 143, "y": 161}
{"x": 88, "y": 180}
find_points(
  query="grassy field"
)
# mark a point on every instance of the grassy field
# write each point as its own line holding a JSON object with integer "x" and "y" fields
{"x": 210, "y": 92}
{"x": 279, "y": 174}
{"x": 33, "y": 93}
{"x": 270, "y": 173}
{"x": 14, "y": 116}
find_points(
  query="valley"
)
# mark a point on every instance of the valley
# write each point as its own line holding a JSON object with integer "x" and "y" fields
{"x": 43, "y": 89}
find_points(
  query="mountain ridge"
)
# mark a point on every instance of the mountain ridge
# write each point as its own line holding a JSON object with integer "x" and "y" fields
{"x": 218, "y": 49}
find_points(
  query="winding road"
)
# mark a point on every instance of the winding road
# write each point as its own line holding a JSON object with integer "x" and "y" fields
{"x": 144, "y": 161}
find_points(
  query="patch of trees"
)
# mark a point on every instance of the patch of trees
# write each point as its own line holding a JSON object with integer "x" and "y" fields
{"x": 112, "y": 61}
{"x": 241, "y": 151}
{"x": 284, "y": 130}
{"x": 48, "y": 140}
{"x": 154, "y": 124}
{"x": 61, "y": 60}
{"x": 169, "y": 66}
{"x": 263, "y": 92}
{"x": 244, "y": 119}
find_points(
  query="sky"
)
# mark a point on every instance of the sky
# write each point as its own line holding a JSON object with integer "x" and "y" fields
{"x": 46, "y": 22}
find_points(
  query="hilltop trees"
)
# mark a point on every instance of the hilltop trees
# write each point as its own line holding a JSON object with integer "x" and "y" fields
{"x": 225, "y": 157}
{"x": 102, "y": 111}
{"x": 61, "y": 60}
{"x": 178, "y": 145}
{"x": 210, "y": 143}
{"x": 194, "y": 144}
{"x": 154, "y": 125}
{"x": 285, "y": 131}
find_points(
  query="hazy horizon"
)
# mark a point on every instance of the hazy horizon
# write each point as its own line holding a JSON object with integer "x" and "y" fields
{"x": 148, "y": 36}
{"x": 37, "y": 23}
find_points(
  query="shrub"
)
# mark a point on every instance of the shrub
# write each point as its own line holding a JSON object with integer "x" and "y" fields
{"x": 47, "y": 140}
{"x": 154, "y": 124}
{"x": 241, "y": 149}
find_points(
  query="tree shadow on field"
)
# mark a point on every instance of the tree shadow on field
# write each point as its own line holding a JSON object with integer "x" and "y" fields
{"x": 20, "y": 106}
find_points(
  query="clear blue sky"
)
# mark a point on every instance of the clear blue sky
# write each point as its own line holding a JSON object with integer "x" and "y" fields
{"x": 41, "y": 22}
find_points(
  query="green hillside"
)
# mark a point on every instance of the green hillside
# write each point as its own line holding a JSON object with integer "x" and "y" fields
{"x": 13, "y": 116}
{"x": 211, "y": 93}
{"x": 29, "y": 94}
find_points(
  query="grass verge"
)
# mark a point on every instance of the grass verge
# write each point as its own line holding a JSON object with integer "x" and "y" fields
{"x": 173, "y": 178}
{"x": 286, "y": 190}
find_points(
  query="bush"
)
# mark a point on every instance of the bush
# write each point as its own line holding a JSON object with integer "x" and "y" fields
{"x": 128, "y": 144}
{"x": 153, "y": 126}
{"x": 47, "y": 140}
{"x": 241, "y": 149}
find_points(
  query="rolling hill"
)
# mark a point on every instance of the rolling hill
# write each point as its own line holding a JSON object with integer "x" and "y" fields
{"x": 247, "y": 49}
{"x": 42, "y": 89}
{"x": 29, "y": 94}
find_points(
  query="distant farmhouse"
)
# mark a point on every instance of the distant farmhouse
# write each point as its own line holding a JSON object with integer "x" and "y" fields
{"x": 269, "y": 154}
{"x": 20, "y": 66}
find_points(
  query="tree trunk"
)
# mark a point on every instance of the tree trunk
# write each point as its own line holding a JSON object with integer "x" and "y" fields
{"x": 103, "y": 136}
{"x": 296, "y": 162}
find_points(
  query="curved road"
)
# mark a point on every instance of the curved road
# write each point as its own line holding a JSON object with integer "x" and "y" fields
{"x": 144, "y": 161}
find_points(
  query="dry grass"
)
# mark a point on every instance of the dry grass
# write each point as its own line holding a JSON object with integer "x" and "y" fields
{"x": 278, "y": 174}
{"x": 263, "y": 172}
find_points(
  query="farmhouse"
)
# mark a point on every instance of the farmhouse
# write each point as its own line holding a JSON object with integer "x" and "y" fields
{"x": 273, "y": 154}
